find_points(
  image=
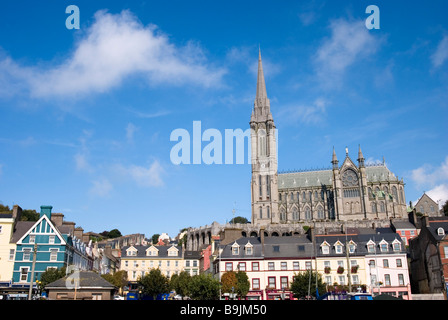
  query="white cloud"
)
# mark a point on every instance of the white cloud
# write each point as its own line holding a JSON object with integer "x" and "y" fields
{"x": 101, "y": 187}
{"x": 349, "y": 42}
{"x": 113, "y": 48}
{"x": 144, "y": 176}
{"x": 439, "y": 192}
{"x": 439, "y": 57}
{"x": 305, "y": 113}
{"x": 427, "y": 175}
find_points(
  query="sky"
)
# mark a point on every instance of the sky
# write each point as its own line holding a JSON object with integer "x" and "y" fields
{"x": 87, "y": 114}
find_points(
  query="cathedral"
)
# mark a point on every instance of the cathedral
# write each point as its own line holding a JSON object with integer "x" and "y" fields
{"x": 352, "y": 194}
{"x": 352, "y": 190}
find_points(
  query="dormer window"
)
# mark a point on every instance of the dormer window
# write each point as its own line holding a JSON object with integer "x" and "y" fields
{"x": 371, "y": 247}
{"x": 249, "y": 248}
{"x": 384, "y": 246}
{"x": 325, "y": 246}
{"x": 235, "y": 249}
{"x": 152, "y": 251}
{"x": 173, "y": 252}
{"x": 338, "y": 247}
{"x": 440, "y": 231}
{"x": 351, "y": 247}
{"x": 396, "y": 245}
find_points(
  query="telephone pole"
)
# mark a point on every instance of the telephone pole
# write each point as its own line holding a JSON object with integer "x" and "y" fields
{"x": 30, "y": 292}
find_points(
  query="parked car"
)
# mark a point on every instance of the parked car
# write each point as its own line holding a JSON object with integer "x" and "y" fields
{"x": 118, "y": 297}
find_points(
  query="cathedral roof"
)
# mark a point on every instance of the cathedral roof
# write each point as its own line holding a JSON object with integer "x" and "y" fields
{"x": 317, "y": 178}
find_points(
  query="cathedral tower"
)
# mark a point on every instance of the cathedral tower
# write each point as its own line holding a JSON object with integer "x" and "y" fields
{"x": 264, "y": 183}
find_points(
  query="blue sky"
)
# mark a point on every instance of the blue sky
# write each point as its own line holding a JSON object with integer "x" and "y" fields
{"x": 87, "y": 114}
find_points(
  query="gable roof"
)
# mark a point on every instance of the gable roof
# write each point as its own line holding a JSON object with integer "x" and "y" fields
{"x": 87, "y": 279}
{"x": 53, "y": 229}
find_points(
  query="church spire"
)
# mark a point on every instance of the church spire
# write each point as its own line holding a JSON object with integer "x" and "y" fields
{"x": 261, "y": 85}
{"x": 262, "y": 108}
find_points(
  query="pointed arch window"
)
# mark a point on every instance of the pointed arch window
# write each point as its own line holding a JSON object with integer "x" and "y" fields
{"x": 282, "y": 215}
{"x": 261, "y": 213}
{"x": 268, "y": 211}
{"x": 382, "y": 207}
{"x": 307, "y": 213}
{"x": 262, "y": 142}
{"x": 295, "y": 214}
{"x": 320, "y": 212}
{"x": 395, "y": 193}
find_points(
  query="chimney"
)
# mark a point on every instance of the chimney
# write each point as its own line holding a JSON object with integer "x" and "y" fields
{"x": 45, "y": 210}
{"x": 425, "y": 221}
{"x": 70, "y": 225}
{"x": 78, "y": 233}
{"x": 16, "y": 213}
{"x": 57, "y": 219}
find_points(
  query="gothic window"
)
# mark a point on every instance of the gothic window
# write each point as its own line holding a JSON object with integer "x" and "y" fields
{"x": 307, "y": 213}
{"x": 259, "y": 187}
{"x": 292, "y": 196}
{"x": 395, "y": 193}
{"x": 401, "y": 195}
{"x": 298, "y": 196}
{"x": 370, "y": 193}
{"x": 322, "y": 194}
{"x": 310, "y": 196}
{"x": 279, "y": 197}
{"x": 262, "y": 142}
{"x": 315, "y": 195}
{"x": 382, "y": 207}
{"x": 303, "y": 196}
{"x": 261, "y": 213}
{"x": 268, "y": 186}
{"x": 320, "y": 213}
{"x": 268, "y": 212}
{"x": 373, "y": 204}
{"x": 349, "y": 178}
{"x": 295, "y": 214}
{"x": 282, "y": 215}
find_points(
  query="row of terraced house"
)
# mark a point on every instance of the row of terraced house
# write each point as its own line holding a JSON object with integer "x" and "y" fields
{"x": 404, "y": 260}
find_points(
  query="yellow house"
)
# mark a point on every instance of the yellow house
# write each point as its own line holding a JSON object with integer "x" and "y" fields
{"x": 7, "y": 249}
{"x": 137, "y": 260}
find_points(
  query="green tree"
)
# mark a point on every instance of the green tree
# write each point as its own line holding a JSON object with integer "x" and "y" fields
{"x": 114, "y": 233}
{"x": 204, "y": 287}
{"x": 243, "y": 284}
{"x": 445, "y": 208}
{"x": 118, "y": 279}
{"x": 51, "y": 275}
{"x": 154, "y": 283}
{"x": 29, "y": 215}
{"x": 239, "y": 220}
{"x": 155, "y": 238}
{"x": 5, "y": 209}
{"x": 180, "y": 283}
{"x": 305, "y": 281}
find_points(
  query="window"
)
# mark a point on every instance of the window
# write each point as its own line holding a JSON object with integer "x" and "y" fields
{"x": 308, "y": 265}
{"x": 26, "y": 254}
{"x": 440, "y": 231}
{"x": 97, "y": 296}
{"x": 338, "y": 248}
{"x": 400, "y": 279}
{"x": 399, "y": 264}
{"x": 276, "y": 248}
{"x": 32, "y": 239}
{"x": 260, "y": 190}
{"x": 284, "y": 266}
{"x": 268, "y": 211}
{"x": 255, "y": 284}
{"x": 235, "y": 249}
{"x": 268, "y": 186}
{"x": 173, "y": 253}
{"x": 355, "y": 279}
{"x": 23, "y": 274}
{"x": 249, "y": 250}
{"x": 307, "y": 213}
{"x": 387, "y": 279}
{"x": 271, "y": 266}
{"x": 385, "y": 263}
{"x": 296, "y": 265}
{"x": 351, "y": 248}
{"x": 372, "y": 263}
{"x": 397, "y": 246}
{"x": 261, "y": 213}
{"x": 320, "y": 213}
{"x": 328, "y": 279}
{"x": 229, "y": 266}
{"x": 255, "y": 266}
{"x": 271, "y": 282}
{"x": 342, "y": 280}
{"x": 51, "y": 240}
{"x": 283, "y": 282}
{"x": 325, "y": 249}
{"x": 11, "y": 254}
{"x": 242, "y": 266}
{"x": 371, "y": 248}
{"x": 383, "y": 247}
{"x": 295, "y": 214}
{"x": 53, "y": 254}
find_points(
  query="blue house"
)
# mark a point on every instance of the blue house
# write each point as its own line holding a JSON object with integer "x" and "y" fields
{"x": 53, "y": 243}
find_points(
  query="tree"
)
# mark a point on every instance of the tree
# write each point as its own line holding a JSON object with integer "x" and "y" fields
{"x": 154, "y": 283}
{"x": 229, "y": 282}
{"x": 51, "y": 275}
{"x": 204, "y": 287}
{"x": 118, "y": 279}
{"x": 155, "y": 238}
{"x": 114, "y": 233}
{"x": 5, "y": 209}
{"x": 29, "y": 215}
{"x": 243, "y": 284}
{"x": 180, "y": 283}
{"x": 305, "y": 281}
{"x": 239, "y": 220}
{"x": 445, "y": 208}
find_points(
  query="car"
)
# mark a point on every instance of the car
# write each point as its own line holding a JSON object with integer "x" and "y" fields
{"x": 118, "y": 297}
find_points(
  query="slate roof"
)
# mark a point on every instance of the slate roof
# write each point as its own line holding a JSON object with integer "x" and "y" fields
{"x": 318, "y": 178}
{"x": 141, "y": 252}
{"x": 20, "y": 229}
{"x": 435, "y": 225}
{"x": 87, "y": 279}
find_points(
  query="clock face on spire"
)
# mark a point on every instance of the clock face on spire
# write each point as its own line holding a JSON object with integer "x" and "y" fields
{"x": 349, "y": 178}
